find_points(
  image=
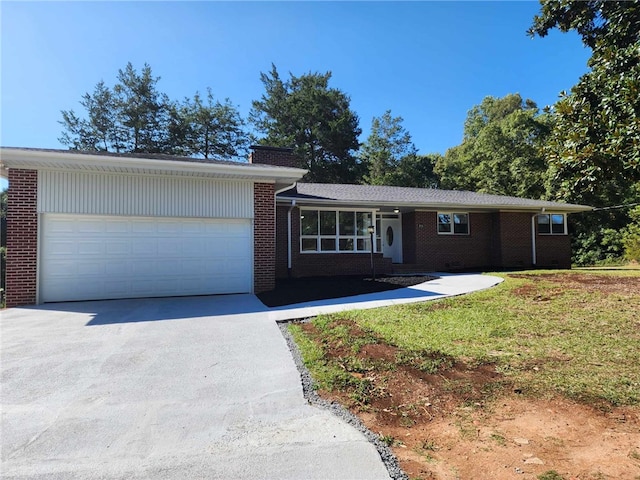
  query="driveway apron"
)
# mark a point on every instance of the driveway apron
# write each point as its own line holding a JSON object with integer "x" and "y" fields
{"x": 196, "y": 387}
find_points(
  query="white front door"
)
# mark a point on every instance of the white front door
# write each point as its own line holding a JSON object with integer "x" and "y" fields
{"x": 391, "y": 235}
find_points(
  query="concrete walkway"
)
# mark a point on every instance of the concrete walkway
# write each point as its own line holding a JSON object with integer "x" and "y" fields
{"x": 447, "y": 285}
{"x": 173, "y": 388}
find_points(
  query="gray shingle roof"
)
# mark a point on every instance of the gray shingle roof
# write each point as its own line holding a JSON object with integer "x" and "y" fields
{"x": 150, "y": 156}
{"x": 375, "y": 195}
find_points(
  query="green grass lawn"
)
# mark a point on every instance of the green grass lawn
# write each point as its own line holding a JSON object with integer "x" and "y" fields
{"x": 546, "y": 337}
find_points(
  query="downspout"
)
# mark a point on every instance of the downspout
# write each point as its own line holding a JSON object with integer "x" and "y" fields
{"x": 534, "y": 259}
{"x": 289, "y": 263}
{"x": 533, "y": 240}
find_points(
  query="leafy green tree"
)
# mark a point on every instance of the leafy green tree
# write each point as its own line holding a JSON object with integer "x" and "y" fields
{"x": 208, "y": 128}
{"x": 316, "y": 120}
{"x": 130, "y": 117}
{"x": 631, "y": 237}
{"x": 142, "y": 111}
{"x": 134, "y": 116}
{"x": 98, "y": 131}
{"x": 388, "y": 143}
{"x": 595, "y": 145}
{"x": 4, "y": 195}
{"x": 594, "y": 148}
{"x": 417, "y": 171}
{"x": 501, "y": 150}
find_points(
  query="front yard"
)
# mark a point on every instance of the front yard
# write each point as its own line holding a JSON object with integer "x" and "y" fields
{"x": 537, "y": 378}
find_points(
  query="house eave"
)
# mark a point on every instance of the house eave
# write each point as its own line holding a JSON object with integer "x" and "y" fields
{"x": 435, "y": 206}
{"x": 60, "y": 160}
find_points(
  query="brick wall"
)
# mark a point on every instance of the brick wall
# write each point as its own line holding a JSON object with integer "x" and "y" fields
{"x": 515, "y": 240}
{"x": 281, "y": 241}
{"x": 264, "y": 249}
{"x": 553, "y": 251}
{"x": 409, "y": 237}
{"x": 22, "y": 237}
{"x": 424, "y": 247}
{"x": 282, "y": 157}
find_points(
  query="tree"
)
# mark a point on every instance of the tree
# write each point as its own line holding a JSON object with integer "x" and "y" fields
{"x": 98, "y": 132}
{"x": 135, "y": 117}
{"x": 388, "y": 143}
{"x": 142, "y": 111}
{"x": 594, "y": 148}
{"x": 631, "y": 237}
{"x": 130, "y": 117}
{"x": 416, "y": 171}
{"x": 205, "y": 127}
{"x": 595, "y": 145}
{"x": 501, "y": 150}
{"x": 316, "y": 120}
{"x": 4, "y": 196}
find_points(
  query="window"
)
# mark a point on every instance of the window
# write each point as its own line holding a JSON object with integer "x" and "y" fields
{"x": 552, "y": 224}
{"x": 451, "y": 223}
{"x": 341, "y": 231}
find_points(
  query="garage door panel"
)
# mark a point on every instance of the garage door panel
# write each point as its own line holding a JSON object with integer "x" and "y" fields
{"x": 91, "y": 248}
{"x": 117, "y": 267}
{"x": 94, "y": 257}
{"x": 90, "y": 227}
{"x": 117, "y": 248}
{"x": 116, "y": 226}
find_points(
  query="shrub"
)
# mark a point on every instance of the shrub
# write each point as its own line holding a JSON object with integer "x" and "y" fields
{"x": 631, "y": 236}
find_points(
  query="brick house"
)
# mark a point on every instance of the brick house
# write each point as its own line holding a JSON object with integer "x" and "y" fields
{"x": 84, "y": 226}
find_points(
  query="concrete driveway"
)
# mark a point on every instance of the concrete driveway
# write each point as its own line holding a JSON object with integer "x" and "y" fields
{"x": 198, "y": 387}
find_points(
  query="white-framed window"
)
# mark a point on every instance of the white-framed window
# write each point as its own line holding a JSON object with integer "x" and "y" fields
{"x": 552, "y": 224}
{"x": 337, "y": 231}
{"x": 453, "y": 223}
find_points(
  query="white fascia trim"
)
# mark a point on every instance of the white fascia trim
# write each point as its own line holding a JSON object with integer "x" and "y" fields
{"x": 560, "y": 208}
{"x": 18, "y": 158}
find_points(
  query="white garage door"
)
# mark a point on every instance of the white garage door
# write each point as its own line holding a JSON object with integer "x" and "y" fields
{"x": 86, "y": 257}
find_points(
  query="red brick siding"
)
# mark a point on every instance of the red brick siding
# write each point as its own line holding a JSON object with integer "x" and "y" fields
{"x": 515, "y": 240}
{"x": 281, "y": 242}
{"x": 274, "y": 156}
{"x": 409, "y": 238}
{"x": 423, "y": 245}
{"x": 496, "y": 241}
{"x": 264, "y": 248}
{"x": 553, "y": 251}
{"x": 22, "y": 237}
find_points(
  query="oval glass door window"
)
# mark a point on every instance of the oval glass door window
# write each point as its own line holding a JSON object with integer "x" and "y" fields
{"x": 389, "y": 236}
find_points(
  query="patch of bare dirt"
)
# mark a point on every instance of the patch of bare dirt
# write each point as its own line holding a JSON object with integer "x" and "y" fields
{"x": 586, "y": 282}
{"x": 467, "y": 422}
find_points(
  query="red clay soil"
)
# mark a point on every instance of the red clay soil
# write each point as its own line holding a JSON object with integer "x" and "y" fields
{"x": 466, "y": 422}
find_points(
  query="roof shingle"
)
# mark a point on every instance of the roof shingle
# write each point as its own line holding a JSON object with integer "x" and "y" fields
{"x": 415, "y": 197}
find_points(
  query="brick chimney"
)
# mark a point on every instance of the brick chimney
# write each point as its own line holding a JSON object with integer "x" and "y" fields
{"x": 282, "y": 157}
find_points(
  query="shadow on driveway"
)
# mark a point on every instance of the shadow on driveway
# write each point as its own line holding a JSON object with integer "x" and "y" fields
{"x": 107, "y": 312}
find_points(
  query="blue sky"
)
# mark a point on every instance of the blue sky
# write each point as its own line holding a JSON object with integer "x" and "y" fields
{"x": 429, "y": 62}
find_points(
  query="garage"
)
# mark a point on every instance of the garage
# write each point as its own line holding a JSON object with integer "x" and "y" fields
{"x": 104, "y": 225}
{"x": 91, "y": 257}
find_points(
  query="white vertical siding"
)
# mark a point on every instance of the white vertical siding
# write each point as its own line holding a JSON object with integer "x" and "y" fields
{"x": 153, "y": 196}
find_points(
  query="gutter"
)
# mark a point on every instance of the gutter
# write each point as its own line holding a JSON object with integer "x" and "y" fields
{"x": 374, "y": 204}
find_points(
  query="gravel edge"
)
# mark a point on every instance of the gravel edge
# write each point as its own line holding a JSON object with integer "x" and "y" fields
{"x": 388, "y": 458}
